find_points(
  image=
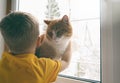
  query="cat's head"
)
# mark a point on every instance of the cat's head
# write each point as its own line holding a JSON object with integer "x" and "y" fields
{"x": 59, "y": 29}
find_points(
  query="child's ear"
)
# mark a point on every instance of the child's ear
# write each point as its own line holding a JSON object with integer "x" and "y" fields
{"x": 40, "y": 40}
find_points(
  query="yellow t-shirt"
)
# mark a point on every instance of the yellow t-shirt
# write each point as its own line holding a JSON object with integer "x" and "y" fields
{"x": 27, "y": 68}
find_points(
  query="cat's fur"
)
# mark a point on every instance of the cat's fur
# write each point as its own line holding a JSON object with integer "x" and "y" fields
{"x": 56, "y": 39}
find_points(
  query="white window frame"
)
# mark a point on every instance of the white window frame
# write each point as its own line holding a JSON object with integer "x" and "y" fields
{"x": 14, "y": 5}
{"x": 67, "y": 79}
{"x": 107, "y": 43}
{"x": 109, "y": 74}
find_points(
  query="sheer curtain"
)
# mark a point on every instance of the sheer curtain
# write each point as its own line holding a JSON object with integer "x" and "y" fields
{"x": 110, "y": 47}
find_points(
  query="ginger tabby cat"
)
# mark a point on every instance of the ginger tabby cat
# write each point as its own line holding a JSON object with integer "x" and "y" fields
{"x": 56, "y": 39}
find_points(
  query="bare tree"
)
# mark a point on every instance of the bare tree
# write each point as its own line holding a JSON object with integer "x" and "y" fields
{"x": 52, "y": 10}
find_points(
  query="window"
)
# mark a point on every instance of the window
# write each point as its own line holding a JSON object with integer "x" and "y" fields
{"x": 85, "y": 18}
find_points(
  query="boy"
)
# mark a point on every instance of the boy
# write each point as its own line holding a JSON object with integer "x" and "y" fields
{"x": 20, "y": 31}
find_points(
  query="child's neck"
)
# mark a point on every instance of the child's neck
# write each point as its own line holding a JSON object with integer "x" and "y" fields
{"x": 23, "y": 52}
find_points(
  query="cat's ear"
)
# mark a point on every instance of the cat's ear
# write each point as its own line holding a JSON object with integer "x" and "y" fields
{"x": 65, "y": 19}
{"x": 47, "y": 22}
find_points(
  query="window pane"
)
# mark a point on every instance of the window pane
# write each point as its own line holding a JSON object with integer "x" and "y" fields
{"x": 86, "y": 50}
{"x": 84, "y": 9}
{"x": 85, "y": 19}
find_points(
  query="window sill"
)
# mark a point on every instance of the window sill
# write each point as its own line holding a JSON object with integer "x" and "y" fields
{"x": 70, "y": 79}
{"x": 67, "y": 80}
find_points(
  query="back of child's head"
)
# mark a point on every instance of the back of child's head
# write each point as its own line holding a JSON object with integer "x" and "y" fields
{"x": 20, "y": 31}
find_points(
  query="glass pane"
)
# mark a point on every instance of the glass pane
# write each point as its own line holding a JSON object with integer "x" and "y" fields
{"x": 86, "y": 50}
{"x": 85, "y": 19}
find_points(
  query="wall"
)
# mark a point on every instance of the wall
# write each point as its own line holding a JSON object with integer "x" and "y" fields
{"x": 110, "y": 38}
{"x": 2, "y": 8}
{"x": 2, "y": 14}
{"x": 116, "y": 41}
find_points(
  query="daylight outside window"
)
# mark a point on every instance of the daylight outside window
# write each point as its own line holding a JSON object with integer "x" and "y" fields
{"x": 85, "y": 19}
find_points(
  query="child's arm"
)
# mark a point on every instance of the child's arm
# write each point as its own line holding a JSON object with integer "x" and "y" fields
{"x": 65, "y": 61}
{"x": 53, "y": 67}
